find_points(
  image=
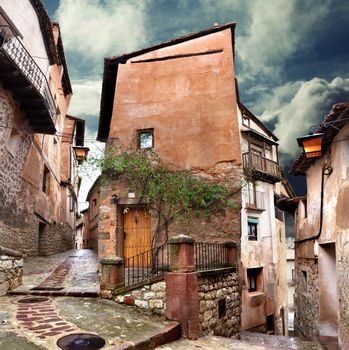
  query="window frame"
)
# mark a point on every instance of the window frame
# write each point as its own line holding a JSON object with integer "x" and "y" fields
{"x": 251, "y": 223}
{"x": 145, "y": 131}
{"x": 256, "y": 275}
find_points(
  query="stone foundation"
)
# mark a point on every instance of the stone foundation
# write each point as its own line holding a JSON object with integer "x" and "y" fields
{"x": 307, "y": 298}
{"x": 220, "y": 303}
{"x": 11, "y": 269}
{"x": 150, "y": 297}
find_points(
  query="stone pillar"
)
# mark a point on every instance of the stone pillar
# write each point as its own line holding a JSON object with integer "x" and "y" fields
{"x": 112, "y": 274}
{"x": 182, "y": 302}
{"x": 232, "y": 253}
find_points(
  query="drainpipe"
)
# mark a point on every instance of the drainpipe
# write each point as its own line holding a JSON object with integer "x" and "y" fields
{"x": 326, "y": 170}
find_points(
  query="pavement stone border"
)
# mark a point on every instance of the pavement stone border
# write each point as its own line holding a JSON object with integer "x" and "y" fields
{"x": 169, "y": 333}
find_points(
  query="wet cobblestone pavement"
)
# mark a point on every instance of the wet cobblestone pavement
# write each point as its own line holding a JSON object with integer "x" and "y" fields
{"x": 61, "y": 281}
{"x": 71, "y": 272}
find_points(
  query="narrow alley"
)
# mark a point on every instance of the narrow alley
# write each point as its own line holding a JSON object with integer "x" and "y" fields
{"x": 59, "y": 298}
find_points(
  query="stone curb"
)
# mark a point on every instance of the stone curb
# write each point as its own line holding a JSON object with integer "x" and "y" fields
{"x": 169, "y": 333}
{"x": 55, "y": 294}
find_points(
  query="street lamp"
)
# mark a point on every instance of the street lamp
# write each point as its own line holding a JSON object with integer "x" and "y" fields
{"x": 312, "y": 145}
{"x": 81, "y": 153}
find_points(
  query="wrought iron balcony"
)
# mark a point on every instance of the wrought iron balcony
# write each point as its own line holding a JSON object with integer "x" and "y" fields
{"x": 257, "y": 167}
{"x": 20, "y": 74}
{"x": 254, "y": 200}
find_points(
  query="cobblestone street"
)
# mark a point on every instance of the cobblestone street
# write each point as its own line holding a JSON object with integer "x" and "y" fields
{"x": 37, "y": 318}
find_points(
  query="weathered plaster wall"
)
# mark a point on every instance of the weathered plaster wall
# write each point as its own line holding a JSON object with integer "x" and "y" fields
{"x": 189, "y": 101}
{"x": 25, "y": 19}
{"x": 223, "y": 288}
{"x": 335, "y": 229}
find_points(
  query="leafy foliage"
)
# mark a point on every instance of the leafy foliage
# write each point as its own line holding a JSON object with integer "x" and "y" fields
{"x": 171, "y": 194}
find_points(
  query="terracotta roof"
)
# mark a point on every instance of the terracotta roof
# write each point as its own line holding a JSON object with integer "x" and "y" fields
{"x": 339, "y": 111}
{"x": 111, "y": 71}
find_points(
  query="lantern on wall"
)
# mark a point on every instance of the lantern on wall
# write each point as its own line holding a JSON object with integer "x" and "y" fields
{"x": 312, "y": 145}
{"x": 80, "y": 153}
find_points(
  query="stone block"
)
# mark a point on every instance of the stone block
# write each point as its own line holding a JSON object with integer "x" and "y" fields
{"x": 156, "y": 304}
{"x": 149, "y": 295}
{"x": 142, "y": 304}
{"x": 158, "y": 287}
{"x": 18, "y": 263}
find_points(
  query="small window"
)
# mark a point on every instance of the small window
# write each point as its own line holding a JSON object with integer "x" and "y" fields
{"x": 245, "y": 120}
{"x": 252, "y": 228}
{"x": 45, "y": 179}
{"x": 146, "y": 138}
{"x": 255, "y": 279}
{"x": 270, "y": 324}
{"x": 222, "y": 308}
{"x": 71, "y": 204}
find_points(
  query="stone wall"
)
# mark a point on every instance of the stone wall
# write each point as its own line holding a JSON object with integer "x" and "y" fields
{"x": 15, "y": 140}
{"x": 307, "y": 298}
{"x": 220, "y": 304}
{"x": 56, "y": 238}
{"x": 11, "y": 269}
{"x": 150, "y": 297}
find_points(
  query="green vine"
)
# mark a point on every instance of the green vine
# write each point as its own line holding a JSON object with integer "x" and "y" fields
{"x": 172, "y": 195}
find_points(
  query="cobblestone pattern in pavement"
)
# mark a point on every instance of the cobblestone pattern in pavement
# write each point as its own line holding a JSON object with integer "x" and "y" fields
{"x": 42, "y": 319}
{"x": 75, "y": 271}
{"x": 57, "y": 277}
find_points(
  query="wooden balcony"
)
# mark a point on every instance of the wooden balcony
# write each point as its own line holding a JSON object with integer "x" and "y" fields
{"x": 260, "y": 168}
{"x": 20, "y": 74}
{"x": 254, "y": 200}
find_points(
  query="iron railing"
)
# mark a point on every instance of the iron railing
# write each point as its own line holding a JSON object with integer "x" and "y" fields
{"x": 210, "y": 256}
{"x": 255, "y": 200}
{"x": 146, "y": 265}
{"x": 13, "y": 48}
{"x": 279, "y": 214}
{"x": 261, "y": 164}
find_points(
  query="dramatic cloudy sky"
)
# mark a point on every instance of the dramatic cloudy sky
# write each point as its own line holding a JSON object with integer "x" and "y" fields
{"x": 292, "y": 55}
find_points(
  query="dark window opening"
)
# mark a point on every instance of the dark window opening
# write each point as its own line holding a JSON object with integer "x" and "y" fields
{"x": 252, "y": 229}
{"x": 146, "y": 138}
{"x": 270, "y": 323}
{"x": 245, "y": 121}
{"x": 222, "y": 308}
{"x": 45, "y": 180}
{"x": 255, "y": 279}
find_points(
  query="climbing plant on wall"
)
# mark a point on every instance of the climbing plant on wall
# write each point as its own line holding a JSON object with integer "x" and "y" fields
{"x": 171, "y": 195}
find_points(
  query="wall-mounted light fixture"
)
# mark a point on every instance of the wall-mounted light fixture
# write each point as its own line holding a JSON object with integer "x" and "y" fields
{"x": 81, "y": 153}
{"x": 312, "y": 145}
{"x": 114, "y": 198}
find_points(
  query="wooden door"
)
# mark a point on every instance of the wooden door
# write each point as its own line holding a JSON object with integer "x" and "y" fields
{"x": 137, "y": 232}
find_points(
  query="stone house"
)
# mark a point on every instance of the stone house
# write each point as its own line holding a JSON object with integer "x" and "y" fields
{"x": 322, "y": 234}
{"x": 180, "y": 99}
{"x": 36, "y": 181}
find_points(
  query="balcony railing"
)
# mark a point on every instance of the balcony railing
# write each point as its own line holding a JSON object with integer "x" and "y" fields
{"x": 256, "y": 166}
{"x": 255, "y": 200}
{"x": 22, "y": 75}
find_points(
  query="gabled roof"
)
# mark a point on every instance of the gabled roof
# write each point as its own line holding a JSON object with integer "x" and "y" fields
{"x": 339, "y": 112}
{"x": 111, "y": 70}
{"x": 249, "y": 114}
